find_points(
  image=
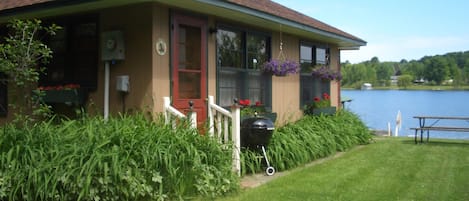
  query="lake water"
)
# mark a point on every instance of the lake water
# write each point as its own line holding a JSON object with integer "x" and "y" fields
{"x": 378, "y": 107}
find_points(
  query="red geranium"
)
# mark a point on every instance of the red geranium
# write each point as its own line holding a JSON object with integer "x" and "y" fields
{"x": 325, "y": 102}
{"x": 248, "y": 110}
{"x": 245, "y": 102}
{"x": 59, "y": 87}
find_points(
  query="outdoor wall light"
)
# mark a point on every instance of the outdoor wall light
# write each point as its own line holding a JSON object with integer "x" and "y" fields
{"x": 212, "y": 30}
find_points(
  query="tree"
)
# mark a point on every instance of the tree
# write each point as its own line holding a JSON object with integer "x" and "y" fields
{"x": 384, "y": 72}
{"x": 21, "y": 58}
{"x": 404, "y": 81}
{"x": 437, "y": 69}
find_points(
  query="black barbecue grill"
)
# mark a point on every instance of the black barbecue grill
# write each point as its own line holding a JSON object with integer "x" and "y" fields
{"x": 256, "y": 133}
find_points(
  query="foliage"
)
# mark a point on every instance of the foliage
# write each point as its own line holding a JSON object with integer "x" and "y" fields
{"x": 326, "y": 73}
{"x": 435, "y": 70}
{"x": 250, "y": 110}
{"x": 318, "y": 102}
{"x": 310, "y": 138}
{"x": 21, "y": 57}
{"x": 125, "y": 158}
{"x": 281, "y": 67}
{"x": 404, "y": 81}
{"x": 389, "y": 169}
{"x": 325, "y": 102}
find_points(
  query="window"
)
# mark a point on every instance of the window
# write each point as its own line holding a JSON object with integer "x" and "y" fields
{"x": 75, "y": 53}
{"x": 240, "y": 54}
{"x": 3, "y": 95}
{"x": 310, "y": 87}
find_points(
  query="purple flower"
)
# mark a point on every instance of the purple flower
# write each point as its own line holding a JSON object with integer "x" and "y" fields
{"x": 281, "y": 68}
{"x": 325, "y": 73}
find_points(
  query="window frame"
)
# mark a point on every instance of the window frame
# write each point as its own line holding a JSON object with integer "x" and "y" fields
{"x": 63, "y": 68}
{"x": 311, "y": 87}
{"x": 245, "y": 71}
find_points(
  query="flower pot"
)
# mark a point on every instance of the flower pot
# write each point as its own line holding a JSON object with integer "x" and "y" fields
{"x": 324, "y": 111}
{"x": 68, "y": 96}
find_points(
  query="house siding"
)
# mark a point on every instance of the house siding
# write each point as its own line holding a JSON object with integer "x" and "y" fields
{"x": 335, "y": 85}
{"x": 160, "y": 63}
{"x": 286, "y": 90}
{"x": 136, "y": 24}
{"x": 144, "y": 24}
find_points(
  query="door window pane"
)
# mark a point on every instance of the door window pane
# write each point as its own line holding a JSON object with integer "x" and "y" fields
{"x": 189, "y": 47}
{"x": 189, "y": 85}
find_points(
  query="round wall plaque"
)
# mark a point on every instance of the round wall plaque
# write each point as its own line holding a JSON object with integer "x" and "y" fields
{"x": 160, "y": 47}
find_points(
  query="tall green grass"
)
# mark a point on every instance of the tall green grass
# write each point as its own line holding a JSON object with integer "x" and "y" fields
{"x": 133, "y": 158}
{"x": 124, "y": 158}
{"x": 310, "y": 138}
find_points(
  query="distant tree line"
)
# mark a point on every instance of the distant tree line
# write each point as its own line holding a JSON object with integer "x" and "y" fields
{"x": 451, "y": 68}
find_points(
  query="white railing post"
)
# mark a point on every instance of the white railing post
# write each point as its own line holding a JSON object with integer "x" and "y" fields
{"x": 170, "y": 111}
{"x": 224, "y": 118}
{"x": 210, "y": 116}
{"x": 192, "y": 115}
{"x": 166, "y": 105}
{"x": 236, "y": 135}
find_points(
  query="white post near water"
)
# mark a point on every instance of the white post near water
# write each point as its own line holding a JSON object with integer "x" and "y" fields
{"x": 398, "y": 122}
{"x": 389, "y": 129}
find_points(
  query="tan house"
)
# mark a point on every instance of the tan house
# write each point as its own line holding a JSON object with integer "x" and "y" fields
{"x": 144, "y": 50}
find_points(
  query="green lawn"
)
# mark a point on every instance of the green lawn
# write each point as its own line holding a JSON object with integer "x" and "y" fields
{"x": 389, "y": 169}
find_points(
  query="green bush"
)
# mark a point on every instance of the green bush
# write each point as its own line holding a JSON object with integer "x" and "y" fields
{"x": 124, "y": 158}
{"x": 310, "y": 138}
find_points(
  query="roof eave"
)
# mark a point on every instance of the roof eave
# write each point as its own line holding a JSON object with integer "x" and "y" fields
{"x": 341, "y": 41}
{"x": 63, "y": 7}
{"x": 212, "y": 7}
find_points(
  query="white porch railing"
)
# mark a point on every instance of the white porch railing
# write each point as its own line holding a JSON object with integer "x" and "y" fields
{"x": 224, "y": 125}
{"x": 220, "y": 121}
{"x": 170, "y": 113}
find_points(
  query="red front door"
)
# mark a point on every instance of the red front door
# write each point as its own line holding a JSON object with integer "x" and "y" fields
{"x": 189, "y": 65}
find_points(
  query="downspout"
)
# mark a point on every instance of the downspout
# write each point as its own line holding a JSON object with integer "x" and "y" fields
{"x": 106, "y": 89}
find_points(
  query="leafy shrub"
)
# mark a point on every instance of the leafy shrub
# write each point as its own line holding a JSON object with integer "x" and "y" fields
{"x": 310, "y": 138}
{"x": 124, "y": 158}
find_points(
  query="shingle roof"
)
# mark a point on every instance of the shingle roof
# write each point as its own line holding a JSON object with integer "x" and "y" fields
{"x": 274, "y": 8}
{"x": 9, "y": 4}
{"x": 265, "y": 6}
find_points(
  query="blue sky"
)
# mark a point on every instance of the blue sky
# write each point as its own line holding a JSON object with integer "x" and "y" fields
{"x": 394, "y": 29}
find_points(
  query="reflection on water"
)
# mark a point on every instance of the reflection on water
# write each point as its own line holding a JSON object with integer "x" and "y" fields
{"x": 378, "y": 107}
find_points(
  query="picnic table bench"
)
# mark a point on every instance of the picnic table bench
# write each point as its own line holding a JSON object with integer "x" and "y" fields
{"x": 423, "y": 127}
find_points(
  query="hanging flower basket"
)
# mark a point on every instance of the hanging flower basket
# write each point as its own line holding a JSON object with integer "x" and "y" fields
{"x": 326, "y": 73}
{"x": 281, "y": 67}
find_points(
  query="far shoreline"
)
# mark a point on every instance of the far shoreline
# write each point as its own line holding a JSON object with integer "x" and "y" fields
{"x": 416, "y": 87}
